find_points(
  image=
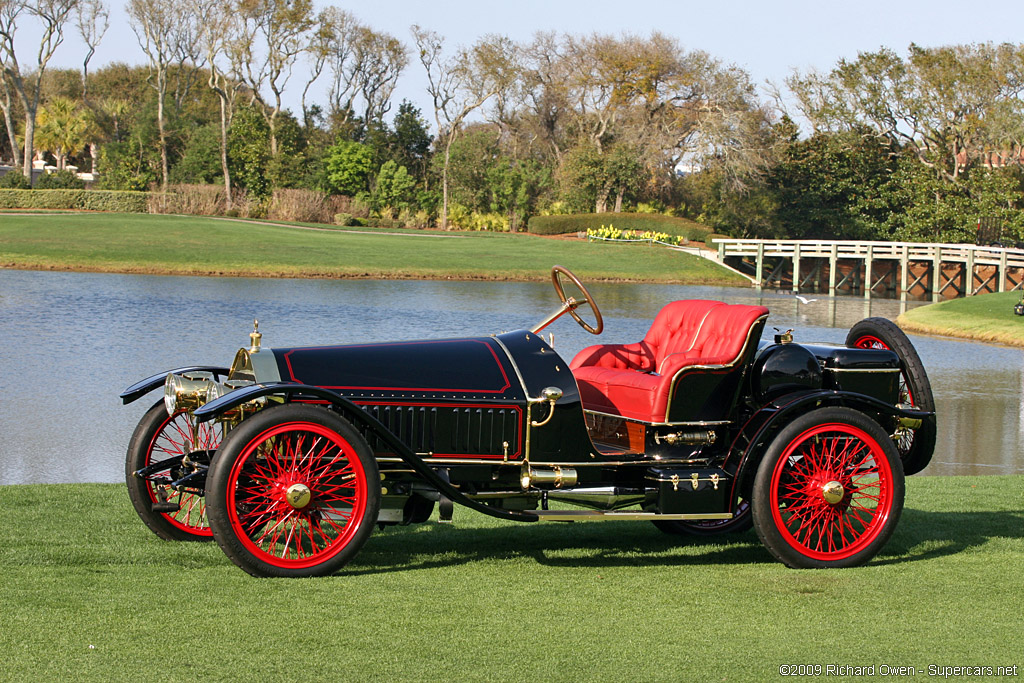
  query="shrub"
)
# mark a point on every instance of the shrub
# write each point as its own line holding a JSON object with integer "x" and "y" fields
{"x": 581, "y": 222}
{"x": 389, "y": 223}
{"x": 414, "y": 219}
{"x": 15, "y": 180}
{"x": 344, "y": 219}
{"x": 301, "y": 206}
{"x": 120, "y": 201}
{"x": 194, "y": 200}
{"x": 359, "y": 207}
{"x": 60, "y": 180}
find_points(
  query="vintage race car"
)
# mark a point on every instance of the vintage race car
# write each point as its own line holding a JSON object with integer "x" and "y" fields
{"x": 291, "y": 456}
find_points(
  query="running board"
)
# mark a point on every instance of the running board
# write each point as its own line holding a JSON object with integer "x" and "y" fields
{"x": 599, "y": 515}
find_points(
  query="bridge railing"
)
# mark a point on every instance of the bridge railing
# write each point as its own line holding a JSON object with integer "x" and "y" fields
{"x": 875, "y": 250}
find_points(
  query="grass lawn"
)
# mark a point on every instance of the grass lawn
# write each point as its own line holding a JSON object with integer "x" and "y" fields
{"x": 88, "y": 593}
{"x": 184, "y": 245}
{"x": 988, "y": 317}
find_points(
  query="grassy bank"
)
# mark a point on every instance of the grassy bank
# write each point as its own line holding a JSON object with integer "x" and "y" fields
{"x": 89, "y": 594}
{"x": 988, "y": 318}
{"x": 130, "y": 243}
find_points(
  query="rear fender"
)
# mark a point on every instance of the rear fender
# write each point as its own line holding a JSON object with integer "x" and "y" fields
{"x": 756, "y": 436}
{"x": 362, "y": 420}
{"x": 144, "y": 386}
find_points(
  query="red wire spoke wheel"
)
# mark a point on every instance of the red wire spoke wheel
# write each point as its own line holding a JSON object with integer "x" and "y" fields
{"x": 915, "y": 446}
{"x": 294, "y": 491}
{"x": 171, "y": 515}
{"x": 829, "y": 491}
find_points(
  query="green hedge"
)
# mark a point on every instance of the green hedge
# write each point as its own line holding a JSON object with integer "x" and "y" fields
{"x": 118, "y": 201}
{"x": 642, "y": 222}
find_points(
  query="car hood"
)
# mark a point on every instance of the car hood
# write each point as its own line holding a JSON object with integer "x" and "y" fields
{"x": 476, "y": 368}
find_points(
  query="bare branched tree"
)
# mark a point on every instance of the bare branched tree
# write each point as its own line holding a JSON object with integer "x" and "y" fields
{"x": 52, "y": 15}
{"x": 461, "y": 84}
{"x": 378, "y": 62}
{"x": 217, "y": 35}
{"x": 7, "y": 106}
{"x": 168, "y": 32}
{"x": 92, "y": 19}
{"x": 340, "y": 29}
{"x": 274, "y": 35}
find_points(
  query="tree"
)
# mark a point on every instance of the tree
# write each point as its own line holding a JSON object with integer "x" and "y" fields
{"x": 217, "y": 35}
{"x": 411, "y": 140}
{"x": 834, "y": 186}
{"x": 393, "y": 187}
{"x": 461, "y": 84}
{"x": 167, "y": 32}
{"x": 274, "y": 34}
{"x": 378, "y": 61}
{"x": 7, "y": 106}
{"x": 953, "y": 107}
{"x": 92, "y": 19}
{"x": 249, "y": 151}
{"x": 53, "y": 15}
{"x": 349, "y": 165}
{"x": 648, "y": 99}
{"x": 63, "y": 128}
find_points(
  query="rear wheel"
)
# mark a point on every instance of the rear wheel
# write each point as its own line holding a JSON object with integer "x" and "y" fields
{"x": 159, "y": 437}
{"x": 915, "y": 446}
{"x": 293, "y": 491}
{"x": 829, "y": 491}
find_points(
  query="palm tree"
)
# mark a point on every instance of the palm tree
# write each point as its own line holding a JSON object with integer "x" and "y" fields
{"x": 61, "y": 128}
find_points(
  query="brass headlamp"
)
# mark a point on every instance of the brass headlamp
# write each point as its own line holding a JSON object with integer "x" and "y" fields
{"x": 187, "y": 391}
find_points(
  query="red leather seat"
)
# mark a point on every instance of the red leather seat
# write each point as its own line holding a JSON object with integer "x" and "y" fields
{"x": 636, "y": 380}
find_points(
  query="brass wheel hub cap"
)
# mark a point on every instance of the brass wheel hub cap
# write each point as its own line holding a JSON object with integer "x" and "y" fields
{"x": 298, "y": 496}
{"x": 833, "y": 492}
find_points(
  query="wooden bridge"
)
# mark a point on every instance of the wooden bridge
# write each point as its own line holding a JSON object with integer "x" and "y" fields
{"x": 906, "y": 268}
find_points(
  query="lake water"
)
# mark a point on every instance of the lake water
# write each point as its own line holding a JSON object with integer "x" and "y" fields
{"x": 70, "y": 342}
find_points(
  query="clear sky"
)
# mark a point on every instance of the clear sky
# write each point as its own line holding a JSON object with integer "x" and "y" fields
{"x": 768, "y": 39}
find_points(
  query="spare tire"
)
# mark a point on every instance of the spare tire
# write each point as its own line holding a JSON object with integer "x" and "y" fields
{"x": 915, "y": 446}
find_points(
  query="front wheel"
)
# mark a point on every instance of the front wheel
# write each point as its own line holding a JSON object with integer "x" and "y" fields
{"x": 829, "y": 491}
{"x": 293, "y": 491}
{"x": 161, "y": 438}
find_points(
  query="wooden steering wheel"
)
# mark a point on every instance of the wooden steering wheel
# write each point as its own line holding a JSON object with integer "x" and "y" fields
{"x": 570, "y": 304}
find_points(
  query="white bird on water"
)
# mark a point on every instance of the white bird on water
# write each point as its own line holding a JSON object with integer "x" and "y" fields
{"x": 803, "y": 299}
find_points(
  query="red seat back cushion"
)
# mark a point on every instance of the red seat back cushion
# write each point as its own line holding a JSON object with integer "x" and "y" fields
{"x": 673, "y": 330}
{"x": 634, "y": 380}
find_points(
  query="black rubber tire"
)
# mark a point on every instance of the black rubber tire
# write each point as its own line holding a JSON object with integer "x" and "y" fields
{"x": 345, "y": 461}
{"x": 740, "y": 522}
{"x": 795, "y": 476}
{"x": 156, "y": 432}
{"x": 915, "y": 446}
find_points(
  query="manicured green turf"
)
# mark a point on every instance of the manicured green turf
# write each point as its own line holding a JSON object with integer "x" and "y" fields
{"x": 988, "y": 317}
{"x": 88, "y": 593}
{"x": 204, "y": 246}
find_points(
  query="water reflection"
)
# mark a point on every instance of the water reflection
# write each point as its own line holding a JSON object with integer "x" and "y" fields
{"x": 71, "y": 342}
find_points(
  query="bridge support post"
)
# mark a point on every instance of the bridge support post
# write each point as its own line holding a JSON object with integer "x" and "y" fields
{"x": 759, "y": 269}
{"x": 936, "y": 274}
{"x": 969, "y": 273}
{"x": 796, "y": 268}
{"x": 1002, "y": 272}
{"x": 867, "y": 271}
{"x": 833, "y": 266}
{"x": 904, "y": 271}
